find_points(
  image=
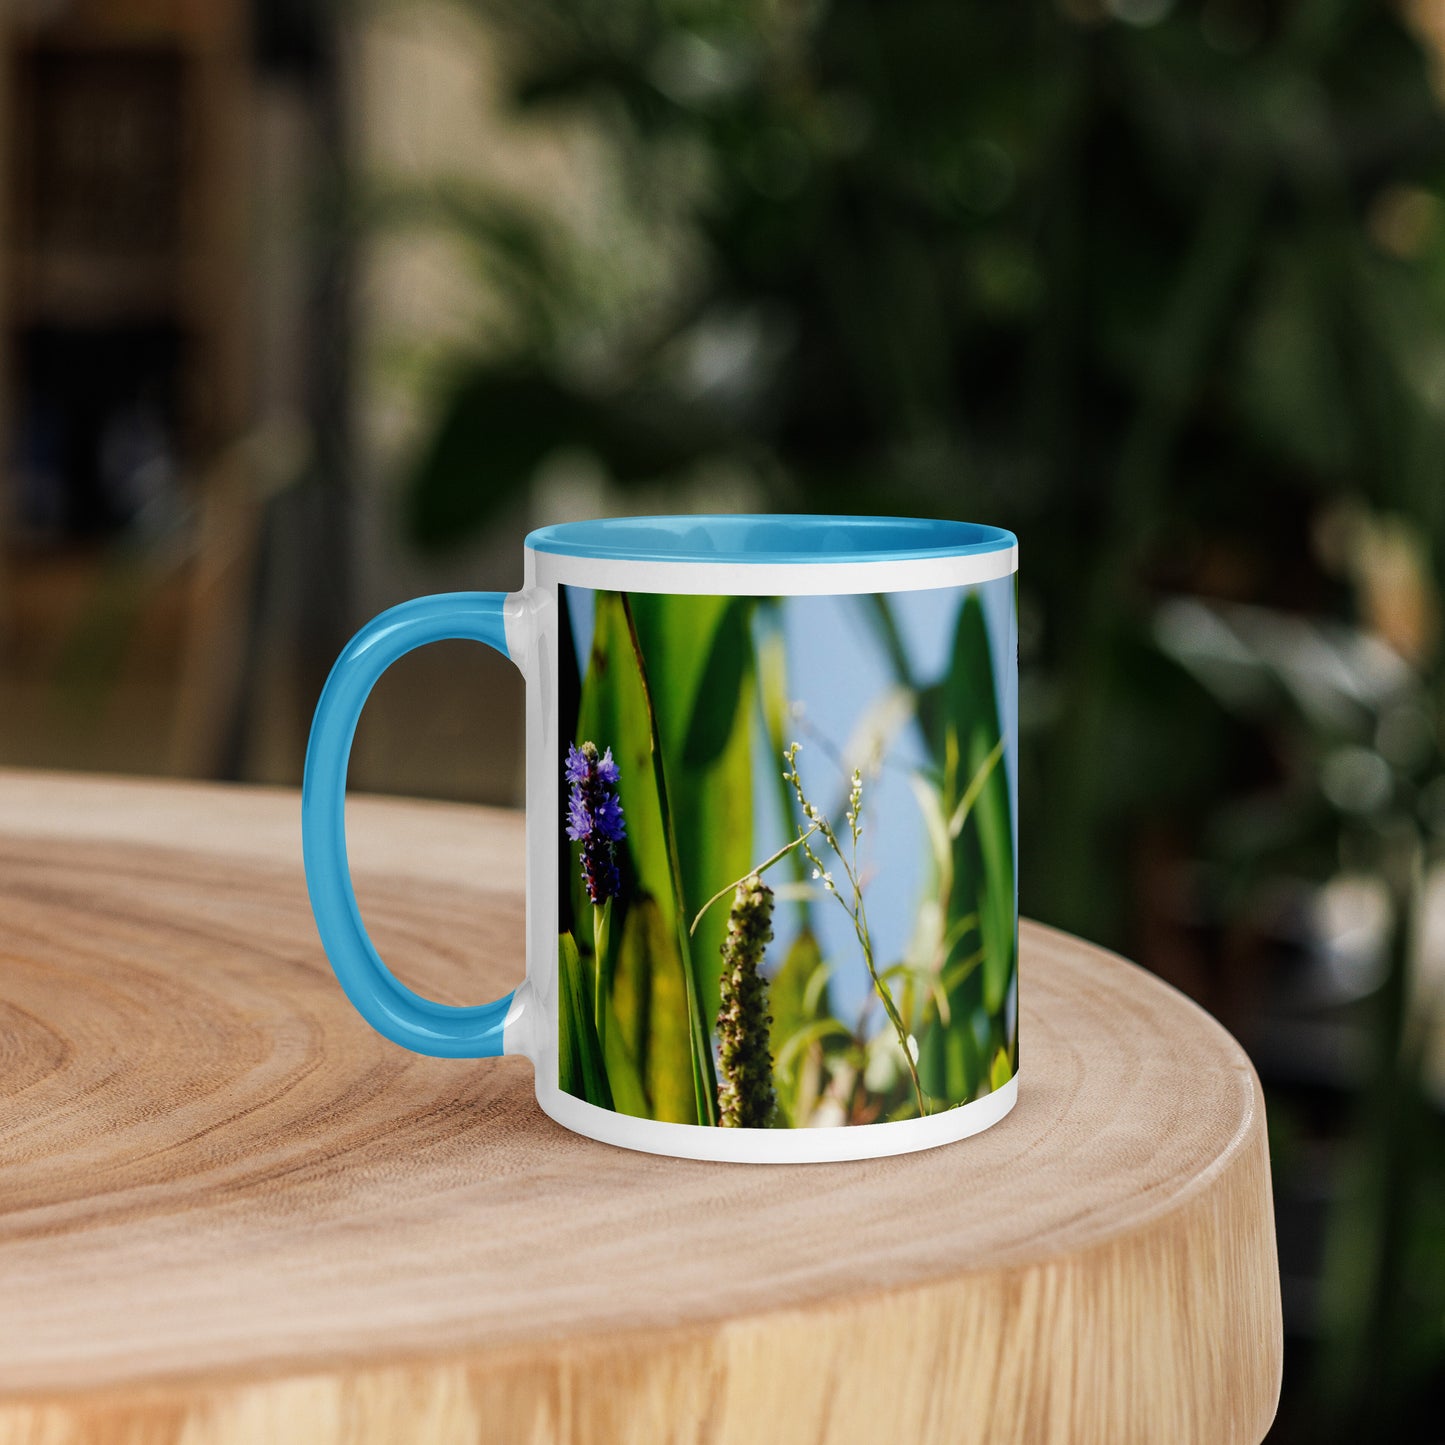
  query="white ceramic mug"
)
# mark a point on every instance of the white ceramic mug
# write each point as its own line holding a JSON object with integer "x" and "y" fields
{"x": 771, "y": 832}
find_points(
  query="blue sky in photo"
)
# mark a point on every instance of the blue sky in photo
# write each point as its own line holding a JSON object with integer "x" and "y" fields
{"x": 837, "y": 668}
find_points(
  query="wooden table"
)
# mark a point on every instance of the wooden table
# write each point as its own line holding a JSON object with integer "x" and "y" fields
{"x": 230, "y": 1212}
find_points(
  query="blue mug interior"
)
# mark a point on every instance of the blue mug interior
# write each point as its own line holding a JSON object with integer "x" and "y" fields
{"x": 769, "y": 538}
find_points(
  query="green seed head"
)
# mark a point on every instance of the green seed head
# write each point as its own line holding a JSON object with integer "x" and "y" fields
{"x": 745, "y": 1091}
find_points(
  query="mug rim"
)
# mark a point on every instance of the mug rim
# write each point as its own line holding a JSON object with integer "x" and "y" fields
{"x": 768, "y": 538}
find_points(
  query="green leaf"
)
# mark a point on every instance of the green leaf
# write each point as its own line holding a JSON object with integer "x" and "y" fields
{"x": 649, "y": 1009}
{"x": 980, "y": 892}
{"x": 613, "y": 713}
{"x": 799, "y": 1003}
{"x": 699, "y": 674}
{"x": 700, "y": 666}
{"x": 1001, "y": 1071}
{"x": 983, "y": 851}
{"x": 629, "y": 1093}
{"x": 580, "y": 1068}
{"x": 798, "y": 992}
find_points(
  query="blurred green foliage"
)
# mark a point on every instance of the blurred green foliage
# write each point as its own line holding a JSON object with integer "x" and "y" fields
{"x": 1161, "y": 286}
{"x": 1145, "y": 284}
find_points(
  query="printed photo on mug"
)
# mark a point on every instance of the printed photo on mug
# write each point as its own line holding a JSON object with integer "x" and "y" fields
{"x": 788, "y": 869}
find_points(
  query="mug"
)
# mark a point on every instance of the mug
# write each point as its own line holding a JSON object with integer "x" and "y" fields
{"x": 771, "y": 832}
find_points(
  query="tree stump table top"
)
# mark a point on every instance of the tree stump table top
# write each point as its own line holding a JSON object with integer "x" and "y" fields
{"x": 230, "y": 1212}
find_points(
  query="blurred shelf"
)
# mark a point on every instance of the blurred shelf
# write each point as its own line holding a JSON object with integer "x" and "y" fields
{"x": 89, "y": 290}
{"x": 120, "y": 24}
{"x": 125, "y": 338}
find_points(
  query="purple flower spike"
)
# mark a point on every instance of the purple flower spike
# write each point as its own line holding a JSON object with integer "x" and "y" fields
{"x": 594, "y": 817}
{"x": 576, "y": 770}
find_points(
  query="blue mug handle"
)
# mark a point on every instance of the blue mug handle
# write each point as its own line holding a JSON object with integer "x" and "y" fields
{"x": 387, "y": 1004}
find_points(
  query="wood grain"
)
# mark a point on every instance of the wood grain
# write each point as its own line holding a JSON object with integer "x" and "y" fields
{"x": 229, "y": 1212}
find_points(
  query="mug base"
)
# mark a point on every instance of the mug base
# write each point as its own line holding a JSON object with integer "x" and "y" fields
{"x": 778, "y": 1146}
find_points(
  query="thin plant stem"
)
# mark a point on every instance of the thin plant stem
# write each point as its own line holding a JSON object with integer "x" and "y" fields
{"x": 975, "y": 787}
{"x": 766, "y": 864}
{"x": 885, "y": 996}
{"x": 601, "y": 930}
{"x": 704, "y": 1079}
{"x": 855, "y": 911}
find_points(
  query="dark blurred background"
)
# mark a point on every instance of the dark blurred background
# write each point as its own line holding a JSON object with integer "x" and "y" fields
{"x": 305, "y": 308}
